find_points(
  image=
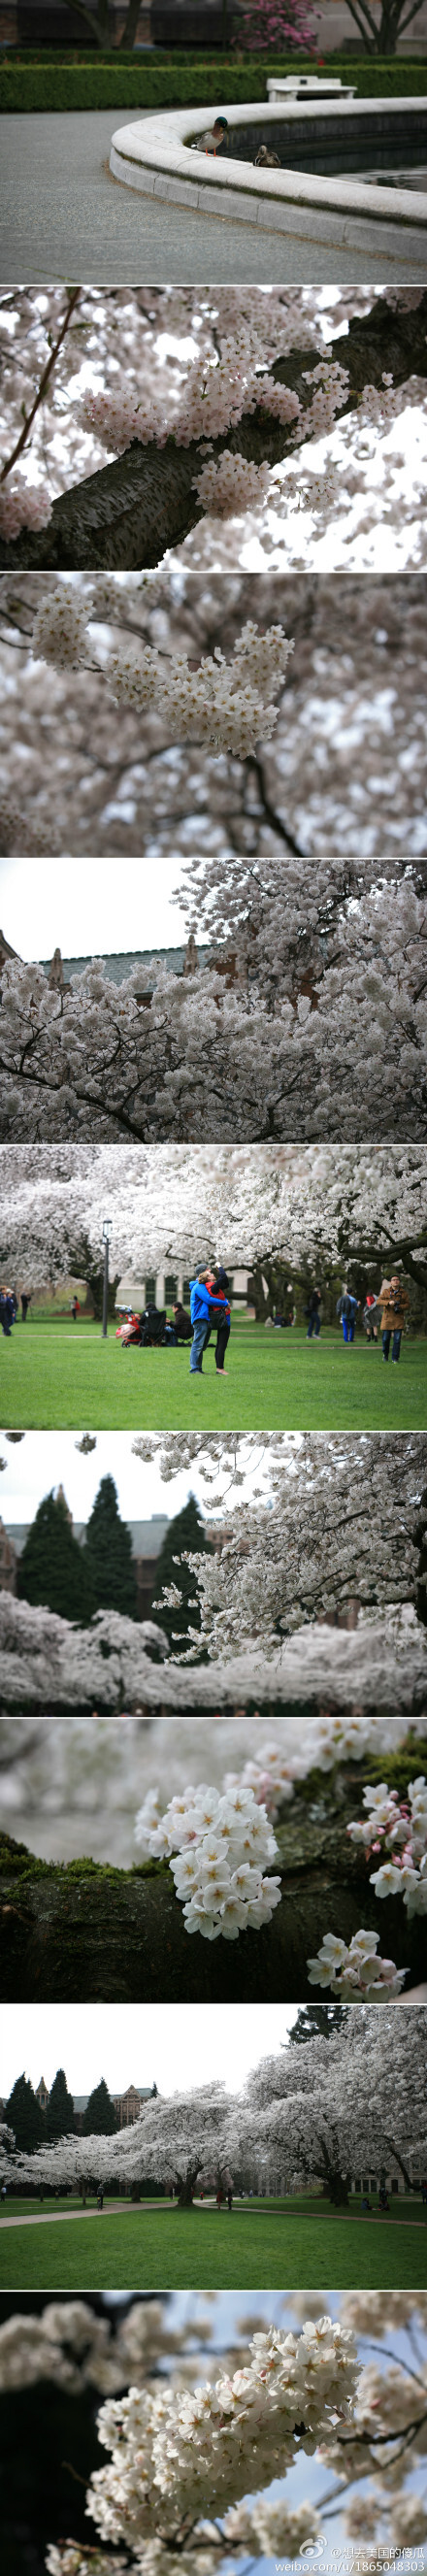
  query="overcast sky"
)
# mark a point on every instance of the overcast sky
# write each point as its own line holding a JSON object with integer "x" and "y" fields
{"x": 90, "y": 907}
{"x": 44, "y": 1459}
{"x": 175, "y": 2046}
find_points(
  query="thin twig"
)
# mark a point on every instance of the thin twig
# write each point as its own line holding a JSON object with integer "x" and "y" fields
{"x": 44, "y": 380}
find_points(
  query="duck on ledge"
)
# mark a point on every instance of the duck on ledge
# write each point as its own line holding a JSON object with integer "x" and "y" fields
{"x": 215, "y": 136}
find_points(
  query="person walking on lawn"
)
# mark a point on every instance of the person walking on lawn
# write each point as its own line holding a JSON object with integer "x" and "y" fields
{"x": 370, "y": 1326}
{"x": 202, "y": 1311}
{"x": 313, "y": 1312}
{"x": 347, "y": 1309}
{"x": 394, "y": 1302}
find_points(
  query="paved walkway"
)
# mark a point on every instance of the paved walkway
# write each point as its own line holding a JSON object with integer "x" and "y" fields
{"x": 64, "y": 217}
{"x": 43, "y": 2217}
{"x": 131, "y": 2209}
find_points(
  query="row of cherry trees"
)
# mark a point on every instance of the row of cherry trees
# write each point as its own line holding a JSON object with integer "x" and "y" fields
{"x": 344, "y": 2104}
{"x": 258, "y": 1207}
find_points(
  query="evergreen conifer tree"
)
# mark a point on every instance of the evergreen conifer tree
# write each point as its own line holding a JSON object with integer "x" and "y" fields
{"x": 185, "y": 1531}
{"x": 60, "y": 2121}
{"x": 52, "y": 1571}
{"x": 108, "y": 1554}
{"x": 317, "y": 2019}
{"x": 99, "y": 2118}
{"x": 23, "y": 2114}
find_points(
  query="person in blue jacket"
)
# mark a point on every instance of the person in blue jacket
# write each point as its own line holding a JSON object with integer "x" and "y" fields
{"x": 202, "y": 1311}
{"x": 347, "y": 1309}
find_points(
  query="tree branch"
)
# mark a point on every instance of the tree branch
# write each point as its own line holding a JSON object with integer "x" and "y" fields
{"x": 41, "y": 389}
{"x": 126, "y": 515}
{"x": 282, "y": 829}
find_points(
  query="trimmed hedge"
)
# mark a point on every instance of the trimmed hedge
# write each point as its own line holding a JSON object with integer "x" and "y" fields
{"x": 30, "y": 87}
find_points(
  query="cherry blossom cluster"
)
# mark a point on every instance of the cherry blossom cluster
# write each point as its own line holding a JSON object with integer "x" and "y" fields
{"x": 119, "y": 416}
{"x": 220, "y": 705}
{"x": 72, "y": 2346}
{"x": 216, "y": 1847}
{"x": 271, "y": 2529}
{"x": 231, "y": 487}
{"x": 195, "y": 2453}
{"x": 332, "y": 386}
{"x": 397, "y": 1825}
{"x": 381, "y": 2437}
{"x": 214, "y": 398}
{"x": 60, "y": 628}
{"x": 23, "y": 505}
{"x": 354, "y": 1970}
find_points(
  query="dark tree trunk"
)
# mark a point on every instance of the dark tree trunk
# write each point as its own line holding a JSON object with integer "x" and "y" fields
{"x": 337, "y": 2190}
{"x": 85, "y": 1933}
{"x": 95, "y": 1283}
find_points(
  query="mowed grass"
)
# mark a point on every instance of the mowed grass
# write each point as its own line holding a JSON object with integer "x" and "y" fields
{"x": 272, "y": 2247}
{"x": 60, "y": 1376}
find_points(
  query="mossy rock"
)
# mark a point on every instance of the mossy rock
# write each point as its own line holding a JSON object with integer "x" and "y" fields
{"x": 86, "y": 1932}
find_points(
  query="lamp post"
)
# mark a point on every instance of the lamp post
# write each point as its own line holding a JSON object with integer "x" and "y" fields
{"x": 106, "y": 1238}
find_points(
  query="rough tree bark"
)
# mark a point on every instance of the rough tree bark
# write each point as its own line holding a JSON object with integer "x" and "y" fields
{"x": 85, "y": 1933}
{"x": 125, "y": 516}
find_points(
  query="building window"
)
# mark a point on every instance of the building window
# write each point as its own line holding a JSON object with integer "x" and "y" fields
{"x": 171, "y": 1285}
{"x": 186, "y": 1287}
{"x": 150, "y": 1292}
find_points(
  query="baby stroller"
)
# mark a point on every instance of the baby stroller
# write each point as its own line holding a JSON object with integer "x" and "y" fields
{"x": 129, "y": 1333}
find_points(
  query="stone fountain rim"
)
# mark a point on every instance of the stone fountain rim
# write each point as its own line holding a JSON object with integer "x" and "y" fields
{"x": 152, "y": 154}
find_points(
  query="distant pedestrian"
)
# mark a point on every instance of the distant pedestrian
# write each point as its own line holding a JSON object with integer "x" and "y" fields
{"x": 383, "y": 2198}
{"x": 312, "y": 1310}
{"x": 347, "y": 1308}
{"x": 370, "y": 1326}
{"x": 75, "y": 1309}
{"x": 7, "y": 1311}
{"x": 4, "y": 2191}
{"x": 100, "y": 2196}
{"x": 25, "y": 1303}
{"x": 394, "y": 1302}
{"x": 230, "y": 2198}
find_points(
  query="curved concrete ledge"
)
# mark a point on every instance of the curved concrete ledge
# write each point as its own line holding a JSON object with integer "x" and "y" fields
{"x": 154, "y": 156}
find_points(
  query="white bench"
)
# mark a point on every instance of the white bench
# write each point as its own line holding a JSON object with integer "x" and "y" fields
{"x": 297, "y": 83}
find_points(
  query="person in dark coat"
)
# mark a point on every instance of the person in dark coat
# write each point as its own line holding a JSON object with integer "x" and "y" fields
{"x": 7, "y": 1311}
{"x": 314, "y": 1303}
{"x": 220, "y": 1289}
{"x": 25, "y": 1303}
{"x": 183, "y": 1324}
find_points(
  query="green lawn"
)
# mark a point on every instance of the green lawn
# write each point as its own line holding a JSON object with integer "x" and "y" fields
{"x": 63, "y": 1376}
{"x": 272, "y": 2247}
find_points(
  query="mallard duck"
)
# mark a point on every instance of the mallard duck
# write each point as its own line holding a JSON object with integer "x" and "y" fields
{"x": 216, "y": 135}
{"x": 266, "y": 160}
